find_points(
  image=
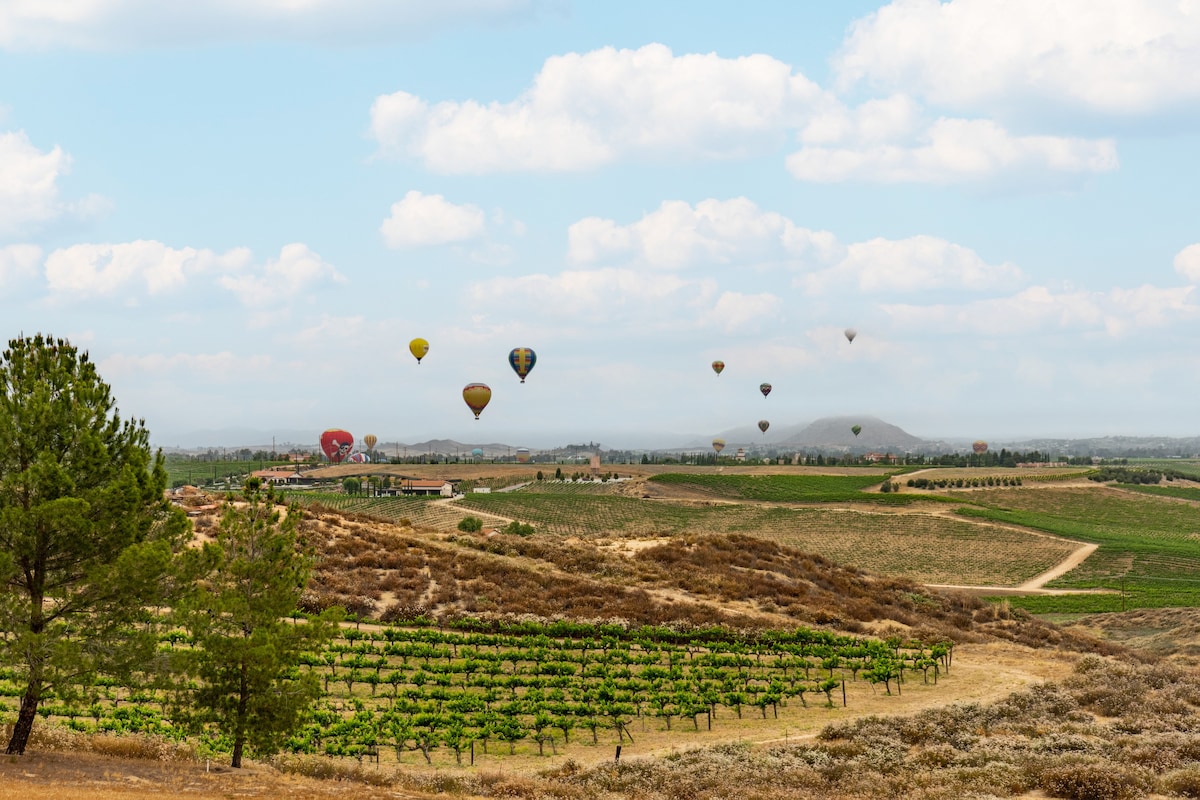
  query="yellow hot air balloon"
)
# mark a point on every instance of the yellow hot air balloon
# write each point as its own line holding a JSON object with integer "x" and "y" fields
{"x": 369, "y": 440}
{"x": 477, "y": 396}
{"x": 718, "y": 445}
{"x": 419, "y": 348}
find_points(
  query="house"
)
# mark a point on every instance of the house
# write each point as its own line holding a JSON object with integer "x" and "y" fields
{"x": 415, "y": 486}
{"x": 284, "y": 477}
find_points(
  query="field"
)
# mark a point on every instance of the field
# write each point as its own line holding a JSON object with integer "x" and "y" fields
{"x": 209, "y": 473}
{"x": 1149, "y": 546}
{"x": 679, "y": 610}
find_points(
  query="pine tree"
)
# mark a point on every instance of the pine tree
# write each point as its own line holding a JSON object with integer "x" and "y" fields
{"x": 246, "y": 653}
{"x": 87, "y": 539}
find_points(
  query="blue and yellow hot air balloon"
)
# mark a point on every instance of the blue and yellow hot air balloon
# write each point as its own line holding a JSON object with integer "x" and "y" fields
{"x": 522, "y": 360}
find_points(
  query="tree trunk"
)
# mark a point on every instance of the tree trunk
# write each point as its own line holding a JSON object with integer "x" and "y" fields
{"x": 239, "y": 734}
{"x": 25, "y": 718}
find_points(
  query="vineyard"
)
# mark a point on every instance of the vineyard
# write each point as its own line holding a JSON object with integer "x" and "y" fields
{"x": 786, "y": 488}
{"x": 1147, "y": 556}
{"x": 924, "y": 547}
{"x": 519, "y": 688}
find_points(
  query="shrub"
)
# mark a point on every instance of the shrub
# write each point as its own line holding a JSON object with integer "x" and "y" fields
{"x": 470, "y": 524}
{"x": 1184, "y": 783}
{"x": 1092, "y": 781}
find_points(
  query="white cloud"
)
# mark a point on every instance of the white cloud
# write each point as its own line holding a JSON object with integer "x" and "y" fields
{"x": 108, "y": 24}
{"x": 949, "y": 151}
{"x": 1037, "y": 309}
{"x": 1110, "y": 56}
{"x": 222, "y": 367}
{"x": 736, "y": 312}
{"x": 1187, "y": 263}
{"x": 18, "y": 261}
{"x": 423, "y": 220}
{"x": 585, "y": 110}
{"x": 916, "y": 264}
{"x": 678, "y": 235}
{"x": 736, "y": 232}
{"x": 28, "y": 183}
{"x": 296, "y": 269}
{"x": 130, "y": 268}
{"x": 104, "y": 269}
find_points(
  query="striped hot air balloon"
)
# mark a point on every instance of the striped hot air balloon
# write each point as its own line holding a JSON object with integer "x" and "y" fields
{"x": 522, "y": 359}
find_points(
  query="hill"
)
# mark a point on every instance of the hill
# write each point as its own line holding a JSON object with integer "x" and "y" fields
{"x": 834, "y": 433}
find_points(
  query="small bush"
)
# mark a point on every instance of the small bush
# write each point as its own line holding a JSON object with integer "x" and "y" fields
{"x": 470, "y": 524}
{"x": 1091, "y": 781}
{"x": 1184, "y": 783}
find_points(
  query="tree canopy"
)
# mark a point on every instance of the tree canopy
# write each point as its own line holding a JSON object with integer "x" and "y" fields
{"x": 245, "y": 652}
{"x": 87, "y": 540}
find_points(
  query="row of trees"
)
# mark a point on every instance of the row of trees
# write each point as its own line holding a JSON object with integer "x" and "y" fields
{"x": 94, "y": 564}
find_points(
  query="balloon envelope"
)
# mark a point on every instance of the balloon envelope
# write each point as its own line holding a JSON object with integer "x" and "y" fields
{"x": 763, "y": 425}
{"x": 477, "y": 396}
{"x": 765, "y": 388}
{"x": 336, "y": 444}
{"x": 718, "y": 366}
{"x": 477, "y": 452}
{"x": 359, "y": 458}
{"x": 419, "y": 348}
{"x": 718, "y": 445}
{"x": 856, "y": 429}
{"x": 369, "y": 440}
{"x": 851, "y": 333}
{"x": 980, "y": 447}
{"x": 522, "y": 360}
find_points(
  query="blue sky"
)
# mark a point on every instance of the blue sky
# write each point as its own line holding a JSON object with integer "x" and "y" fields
{"x": 246, "y": 212}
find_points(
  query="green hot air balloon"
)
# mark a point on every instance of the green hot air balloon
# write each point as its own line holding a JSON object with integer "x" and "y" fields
{"x": 856, "y": 429}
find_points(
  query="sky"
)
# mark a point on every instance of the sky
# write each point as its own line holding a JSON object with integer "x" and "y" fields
{"x": 244, "y": 210}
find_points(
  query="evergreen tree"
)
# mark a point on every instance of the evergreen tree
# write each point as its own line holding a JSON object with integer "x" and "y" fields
{"x": 246, "y": 654}
{"x": 87, "y": 540}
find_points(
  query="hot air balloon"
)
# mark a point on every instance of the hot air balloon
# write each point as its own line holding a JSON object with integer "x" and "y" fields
{"x": 419, "y": 348}
{"x": 856, "y": 429}
{"x": 718, "y": 366}
{"x": 522, "y": 360}
{"x": 718, "y": 445}
{"x": 980, "y": 447}
{"x": 765, "y": 388}
{"x": 763, "y": 425}
{"x": 336, "y": 444}
{"x": 477, "y": 452}
{"x": 358, "y": 458}
{"x": 477, "y": 396}
{"x": 850, "y": 334}
{"x": 369, "y": 440}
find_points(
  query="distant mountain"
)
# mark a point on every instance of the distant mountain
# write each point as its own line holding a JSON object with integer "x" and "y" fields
{"x": 834, "y": 433}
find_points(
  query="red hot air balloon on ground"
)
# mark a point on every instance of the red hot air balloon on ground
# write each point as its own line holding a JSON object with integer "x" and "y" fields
{"x": 336, "y": 444}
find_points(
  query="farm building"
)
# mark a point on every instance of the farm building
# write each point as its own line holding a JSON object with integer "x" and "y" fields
{"x": 414, "y": 486}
